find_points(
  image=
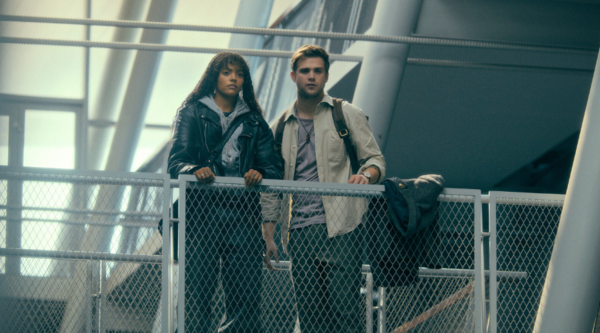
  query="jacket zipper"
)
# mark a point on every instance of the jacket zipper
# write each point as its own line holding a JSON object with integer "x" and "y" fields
{"x": 249, "y": 136}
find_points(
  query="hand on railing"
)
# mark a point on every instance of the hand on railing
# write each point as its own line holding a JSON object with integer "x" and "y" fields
{"x": 205, "y": 175}
{"x": 268, "y": 230}
{"x": 252, "y": 177}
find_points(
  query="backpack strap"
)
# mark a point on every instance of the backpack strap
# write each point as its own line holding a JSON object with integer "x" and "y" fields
{"x": 279, "y": 133}
{"x": 214, "y": 154}
{"x": 342, "y": 129}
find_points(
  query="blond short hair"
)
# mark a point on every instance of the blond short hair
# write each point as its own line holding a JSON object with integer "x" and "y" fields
{"x": 310, "y": 51}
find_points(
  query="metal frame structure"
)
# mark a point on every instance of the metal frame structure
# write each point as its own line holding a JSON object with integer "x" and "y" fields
{"x": 296, "y": 33}
{"x": 15, "y": 174}
{"x": 480, "y": 316}
{"x": 507, "y": 198}
{"x": 452, "y": 195}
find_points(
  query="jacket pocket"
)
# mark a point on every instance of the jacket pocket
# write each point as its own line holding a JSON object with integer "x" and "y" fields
{"x": 245, "y": 145}
{"x": 335, "y": 148}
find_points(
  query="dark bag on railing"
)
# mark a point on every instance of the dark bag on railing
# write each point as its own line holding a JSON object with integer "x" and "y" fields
{"x": 403, "y": 230}
{"x": 214, "y": 156}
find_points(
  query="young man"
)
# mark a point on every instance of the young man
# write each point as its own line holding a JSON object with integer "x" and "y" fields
{"x": 325, "y": 240}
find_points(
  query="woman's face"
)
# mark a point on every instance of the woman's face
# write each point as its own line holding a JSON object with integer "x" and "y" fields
{"x": 230, "y": 82}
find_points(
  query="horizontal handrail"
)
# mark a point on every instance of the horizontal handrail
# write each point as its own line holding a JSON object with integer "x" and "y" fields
{"x": 282, "y": 265}
{"x": 83, "y": 211}
{"x": 433, "y": 273}
{"x": 123, "y": 223}
{"x": 162, "y": 47}
{"x": 298, "y": 33}
{"x": 80, "y": 255}
{"x": 88, "y": 177}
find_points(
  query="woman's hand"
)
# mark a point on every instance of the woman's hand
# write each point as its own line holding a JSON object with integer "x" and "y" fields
{"x": 205, "y": 175}
{"x": 252, "y": 177}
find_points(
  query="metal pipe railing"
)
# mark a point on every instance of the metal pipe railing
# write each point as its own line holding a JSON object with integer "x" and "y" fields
{"x": 298, "y": 33}
{"x": 120, "y": 223}
{"x": 162, "y": 47}
{"x": 77, "y": 255}
{"x": 90, "y": 177}
{"x": 83, "y": 211}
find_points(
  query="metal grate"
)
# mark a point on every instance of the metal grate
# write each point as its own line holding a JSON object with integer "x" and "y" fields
{"x": 526, "y": 228}
{"x": 441, "y": 304}
{"x": 321, "y": 282}
{"x": 80, "y": 251}
{"x": 88, "y": 257}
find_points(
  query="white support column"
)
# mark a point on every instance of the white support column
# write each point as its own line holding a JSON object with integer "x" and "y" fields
{"x": 139, "y": 89}
{"x": 383, "y": 64}
{"x": 571, "y": 292}
{"x": 129, "y": 127}
{"x": 251, "y": 14}
{"x": 112, "y": 84}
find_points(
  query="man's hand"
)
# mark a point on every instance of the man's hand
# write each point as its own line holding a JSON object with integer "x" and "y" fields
{"x": 362, "y": 179}
{"x": 271, "y": 250}
{"x": 268, "y": 230}
{"x": 252, "y": 177}
{"x": 205, "y": 175}
{"x": 358, "y": 179}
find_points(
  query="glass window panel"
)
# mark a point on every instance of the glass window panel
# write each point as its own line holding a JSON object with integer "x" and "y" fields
{"x": 150, "y": 141}
{"x": 38, "y": 70}
{"x": 42, "y": 71}
{"x": 3, "y": 140}
{"x": 49, "y": 139}
{"x": 179, "y": 73}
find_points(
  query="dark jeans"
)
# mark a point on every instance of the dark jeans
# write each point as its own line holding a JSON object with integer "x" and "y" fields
{"x": 327, "y": 278}
{"x": 222, "y": 237}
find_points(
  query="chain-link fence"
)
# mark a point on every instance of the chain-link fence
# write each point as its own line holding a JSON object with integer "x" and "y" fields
{"x": 80, "y": 251}
{"x": 343, "y": 266}
{"x": 442, "y": 300}
{"x": 525, "y": 226}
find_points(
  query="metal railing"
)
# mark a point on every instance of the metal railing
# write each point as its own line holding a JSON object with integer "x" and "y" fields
{"x": 441, "y": 296}
{"x": 80, "y": 250}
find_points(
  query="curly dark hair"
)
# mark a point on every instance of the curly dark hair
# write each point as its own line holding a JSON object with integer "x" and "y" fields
{"x": 207, "y": 84}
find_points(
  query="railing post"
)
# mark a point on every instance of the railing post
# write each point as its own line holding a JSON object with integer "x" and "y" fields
{"x": 493, "y": 284}
{"x": 181, "y": 258}
{"x": 369, "y": 299}
{"x": 382, "y": 315}
{"x": 167, "y": 262}
{"x": 479, "y": 291}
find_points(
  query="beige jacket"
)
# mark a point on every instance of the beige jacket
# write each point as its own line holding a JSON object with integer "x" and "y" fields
{"x": 342, "y": 214}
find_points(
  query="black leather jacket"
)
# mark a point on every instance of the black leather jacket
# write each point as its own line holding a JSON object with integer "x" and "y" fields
{"x": 197, "y": 131}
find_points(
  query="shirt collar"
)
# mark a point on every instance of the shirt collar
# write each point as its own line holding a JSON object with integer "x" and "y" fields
{"x": 290, "y": 111}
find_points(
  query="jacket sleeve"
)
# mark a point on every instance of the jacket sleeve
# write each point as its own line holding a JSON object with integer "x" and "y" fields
{"x": 183, "y": 154}
{"x": 267, "y": 160}
{"x": 367, "y": 149}
{"x": 272, "y": 202}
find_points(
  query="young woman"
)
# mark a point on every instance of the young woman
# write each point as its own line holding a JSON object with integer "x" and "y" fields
{"x": 223, "y": 227}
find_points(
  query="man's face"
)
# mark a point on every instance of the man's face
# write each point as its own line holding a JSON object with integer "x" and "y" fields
{"x": 310, "y": 76}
